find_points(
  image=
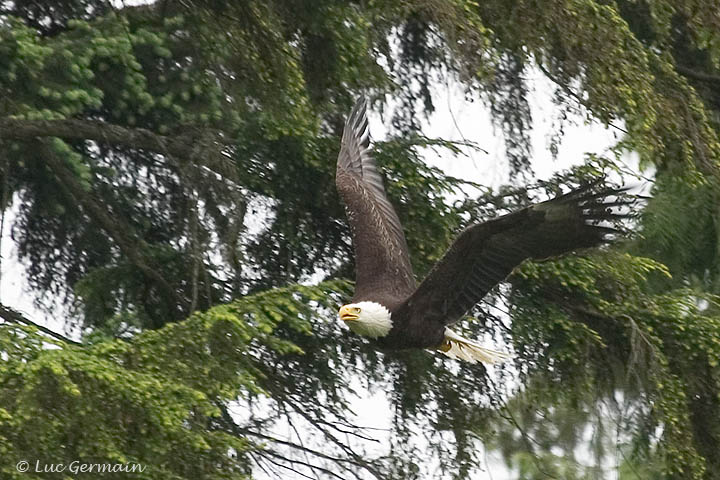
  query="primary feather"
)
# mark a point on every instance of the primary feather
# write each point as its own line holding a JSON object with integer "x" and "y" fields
{"x": 483, "y": 255}
{"x": 377, "y": 232}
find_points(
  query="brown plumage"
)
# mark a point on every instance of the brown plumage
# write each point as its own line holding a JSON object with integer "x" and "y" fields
{"x": 482, "y": 256}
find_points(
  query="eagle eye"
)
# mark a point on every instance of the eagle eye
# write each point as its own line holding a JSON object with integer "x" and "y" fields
{"x": 357, "y": 310}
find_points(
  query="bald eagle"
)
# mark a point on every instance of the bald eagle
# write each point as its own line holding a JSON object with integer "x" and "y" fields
{"x": 391, "y": 309}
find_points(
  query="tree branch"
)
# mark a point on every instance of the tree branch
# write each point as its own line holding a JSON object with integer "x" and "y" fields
{"x": 340, "y": 462}
{"x": 131, "y": 247}
{"x": 568, "y": 91}
{"x": 702, "y": 76}
{"x": 200, "y": 150}
{"x": 270, "y": 453}
{"x": 188, "y": 148}
{"x": 13, "y": 316}
{"x": 317, "y": 423}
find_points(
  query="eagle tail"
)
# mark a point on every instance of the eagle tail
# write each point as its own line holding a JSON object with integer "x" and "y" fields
{"x": 461, "y": 348}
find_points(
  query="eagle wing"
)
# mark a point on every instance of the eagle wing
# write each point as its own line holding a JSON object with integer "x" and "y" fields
{"x": 484, "y": 254}
{"x": 381, "y": 254}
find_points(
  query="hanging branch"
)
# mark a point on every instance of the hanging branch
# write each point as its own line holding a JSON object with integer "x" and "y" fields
{"x": 5, "y": 188}
{"x": 349, "y": 464}
{"x": 121, "y": 233}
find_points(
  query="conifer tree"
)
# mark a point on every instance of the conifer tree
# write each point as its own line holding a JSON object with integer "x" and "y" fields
{"x": 139, "y": 144}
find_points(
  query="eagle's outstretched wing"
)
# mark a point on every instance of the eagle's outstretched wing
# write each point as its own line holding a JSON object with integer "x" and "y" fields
{"x": 484, "y": 254}
{"x": 381, "y": 253}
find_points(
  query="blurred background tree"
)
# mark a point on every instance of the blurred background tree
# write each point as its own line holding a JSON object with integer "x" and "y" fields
{"x": 178, "y": 157}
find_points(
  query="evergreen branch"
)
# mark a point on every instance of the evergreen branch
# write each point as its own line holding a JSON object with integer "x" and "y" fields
{"x": 4, "y": 200}
{"x": 191, "y": 147}
{"x": 702, "y": 76}
{"x": 569, "y": 92}
{"x": 13, "y": 316}
{"x": 113, "y": 225}
{"x": 527, "y": 439}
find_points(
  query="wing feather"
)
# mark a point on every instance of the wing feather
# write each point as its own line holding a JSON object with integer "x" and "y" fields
{"x": 381, "y": 253}
{"x": 484, "y": 254}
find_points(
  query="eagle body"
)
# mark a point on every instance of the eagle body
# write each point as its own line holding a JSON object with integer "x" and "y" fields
{"x": 400, "y": 331}
{"x": 391, "y": 309}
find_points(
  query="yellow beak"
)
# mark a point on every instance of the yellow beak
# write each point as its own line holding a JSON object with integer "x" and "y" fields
{"x": 347, "y": 313}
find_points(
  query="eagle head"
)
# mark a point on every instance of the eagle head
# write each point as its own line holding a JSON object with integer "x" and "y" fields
{"x": 369, "y": 319}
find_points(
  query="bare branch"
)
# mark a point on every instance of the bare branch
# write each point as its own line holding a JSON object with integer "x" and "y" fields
{"x": 270, "y": 453}
{"x": 341, "y": 462}
{"x": 317, "y": 423}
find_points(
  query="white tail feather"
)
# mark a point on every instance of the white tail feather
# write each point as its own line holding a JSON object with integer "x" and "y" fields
{"x": 461, "y": 348}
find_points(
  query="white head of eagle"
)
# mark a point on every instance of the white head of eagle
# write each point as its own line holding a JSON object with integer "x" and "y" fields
{"x": 369, "y": 319}
{"x": 483, "y": 255}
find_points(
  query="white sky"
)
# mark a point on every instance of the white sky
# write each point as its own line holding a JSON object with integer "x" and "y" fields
{"x": 454, "y": 119}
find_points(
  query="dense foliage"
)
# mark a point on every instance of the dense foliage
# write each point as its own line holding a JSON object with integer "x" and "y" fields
{"x": 170, "y": 171}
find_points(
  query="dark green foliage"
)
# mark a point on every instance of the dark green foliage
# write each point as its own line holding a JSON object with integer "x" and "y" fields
{"x": 152, "y": 401}
{"x": 178, "y": 157}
